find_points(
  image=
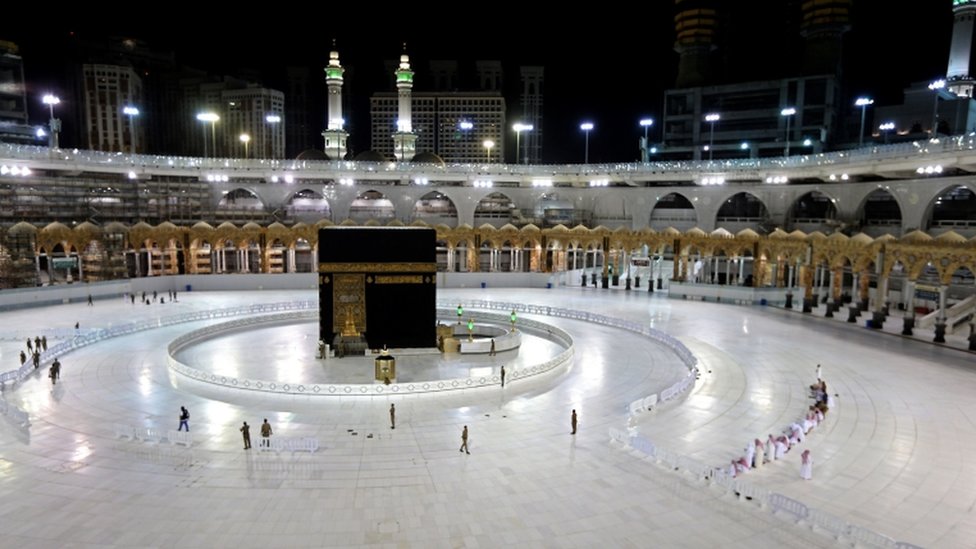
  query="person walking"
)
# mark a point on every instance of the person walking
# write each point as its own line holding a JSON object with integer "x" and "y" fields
{"x": 503, "y": 375}
{"x": 492, "y": 351}
{"x": 55, "y": 371}
{"x": 30, "y": 347}
{"x": 184, "y": 419}
{"x": 572, "y": 420}
{"x": 90, "y": 303}
{"x": 246, "y": 431}
{"x": 392, "y": 417}
{"x": 44, "y": 342}
{"x": 266, "y": 434}
{"x": 819, "y": 373}
{"x": 464, "y": 440}
{"x": 23, "y": 358}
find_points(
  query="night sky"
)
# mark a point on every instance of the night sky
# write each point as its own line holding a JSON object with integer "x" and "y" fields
{"x": 610, "y": 68}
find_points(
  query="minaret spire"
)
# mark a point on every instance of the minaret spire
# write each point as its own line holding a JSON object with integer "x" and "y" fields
{"x": 335, "y": 135}
{"x": 958, "y": 77}
{"x": 404, "y": 140}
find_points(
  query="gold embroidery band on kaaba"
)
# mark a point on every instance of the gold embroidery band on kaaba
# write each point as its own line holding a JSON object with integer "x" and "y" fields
{"x": 377, "y": 267}
{"x": 401, "y": 279}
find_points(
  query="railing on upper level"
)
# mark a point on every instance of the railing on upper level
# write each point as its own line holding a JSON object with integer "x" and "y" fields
{"x": 327, "y": 169}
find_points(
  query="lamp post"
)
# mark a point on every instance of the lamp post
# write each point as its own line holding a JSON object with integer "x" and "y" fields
{"x": 587, "y": 127}
{"x": 460, "y": 311}
{"x": 470, "y": 329}
{"x": 55, "y": 124}
{"x": 488, "y": 144}
{"x": 885, "y": 129}
{"x": 519, "y": 128}
{"x": 936, "y": 86}
{"x": 514, "y": 317}
{"x": 711, "y": 118}
{"x": 645, "y": 123}
{"x": 272, "y": 120}
{"x": 862, "y": 102}
{"x": 788, "y": 112}
{"x": 212, "y": 118}
{"x": 246, "y": 139}
{"x": 132, "y": 113}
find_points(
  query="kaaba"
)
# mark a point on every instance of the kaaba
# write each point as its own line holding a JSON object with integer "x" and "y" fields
{"x": 379, "y": 282}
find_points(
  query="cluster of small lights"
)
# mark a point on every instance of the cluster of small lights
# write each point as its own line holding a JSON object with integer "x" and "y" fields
{"x": 777, "y": 179}
{"x": 15, "y": 170}
{"x": 929, "y": 170}
{"x": 347, "y": 181}
{"x": 217, "y": 178}
{"x": 483, "y": 183}
{"x": 712, "y": 180}
{"x": 842, "y": 177}
{"x": 421, "y": 181}
{"x": 542, "y": 182}
{"x": 287, "y": 178}
{"x": 599, "y": 182}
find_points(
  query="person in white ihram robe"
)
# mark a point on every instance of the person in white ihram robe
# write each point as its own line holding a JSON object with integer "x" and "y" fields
{"x": 806, "y": 465}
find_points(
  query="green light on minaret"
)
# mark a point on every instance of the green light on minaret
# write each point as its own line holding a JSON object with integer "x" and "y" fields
{"x": 404, "y": 76}
{"x": 333, "y": 73}
{"x": 962, "y": 2}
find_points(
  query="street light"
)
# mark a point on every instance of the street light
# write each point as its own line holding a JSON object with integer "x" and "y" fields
{"x": 132, "y": 113}
{"x": 586, "y": 127}
{"x": 272, "y": 120}
{"x": 788, "y": 112}
{"x": 55, "y": 124}
{"x": 645, "y": 123}
{"x": 460, "y": 311}
{"x": 711, "y": 118}
{"x": 246, "y": 139}
{"x": 936, "y": 86}
{"x": 886, "y": 128}
{"x": 212, "y": 118}
{"x": 519, "y": 128}
{"x": 488, "y": 144}
{"x": 862, "y": 102}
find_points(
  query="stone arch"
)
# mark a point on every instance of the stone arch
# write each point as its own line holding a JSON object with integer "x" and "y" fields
{"x": 371, "y": 204}
{"x": 496, "y": 209}
{"x": 953, "y": 209}
{"x": 880, "y": 213}
{"x": 550, "y": 210}
{"x": 435, "y": 207}
{"x": 741, "y": 210}
{"x": 812, "y": 211}
{"x": 239, "y": 204}
{"x": 673, "y": 210}
{"x": 308, "y": 205}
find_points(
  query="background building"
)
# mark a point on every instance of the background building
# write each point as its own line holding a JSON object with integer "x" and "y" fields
{"x": 13, "y": 97}
{"x": 108, "y": 89}
{"x": 533, "y": 78}
{"x": 436, "y": 121}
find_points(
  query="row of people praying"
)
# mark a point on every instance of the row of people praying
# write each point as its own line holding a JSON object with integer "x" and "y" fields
{"x": 758, "y": 453}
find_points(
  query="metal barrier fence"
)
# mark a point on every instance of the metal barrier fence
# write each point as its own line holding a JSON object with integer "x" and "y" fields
{"x": 363, "y": 389}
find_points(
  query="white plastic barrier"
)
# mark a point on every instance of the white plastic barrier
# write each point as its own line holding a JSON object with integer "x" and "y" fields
{"x": 180, "y": 437}
{"x": 864, "y": 537}
{"x": 618, "y": 436}
{"x": 151, "y": 434}
{"x": 835, "y": 526}
{"x": 309, "y": 445}
{"x": 125, "y": 431}
{"x": 751, "y": 492}
{"x": 779, "y": 502}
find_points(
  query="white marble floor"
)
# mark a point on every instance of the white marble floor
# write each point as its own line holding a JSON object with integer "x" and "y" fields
{"x": 892, "y": 456}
